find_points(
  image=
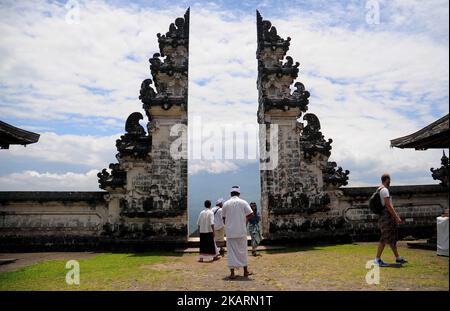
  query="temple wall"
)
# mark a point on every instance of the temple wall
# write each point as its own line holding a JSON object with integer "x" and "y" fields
{"x": 349, "y": 217}
{"x": 36, "y": 221}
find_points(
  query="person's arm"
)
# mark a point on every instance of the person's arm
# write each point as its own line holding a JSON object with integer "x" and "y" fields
{"x": 223, "y": 214}
{"x": 248, "y": 212}
{"x": 391, "y": 210}
{"x": 212, "y": 223}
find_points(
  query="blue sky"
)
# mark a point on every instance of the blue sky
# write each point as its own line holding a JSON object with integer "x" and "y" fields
{"x": 74, "y": 80}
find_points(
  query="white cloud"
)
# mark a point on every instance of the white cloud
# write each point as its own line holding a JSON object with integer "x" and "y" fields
{"x": 368, "y": 84}
{"x": 35, "y": 181}
{"x": 90, "y": 151}
{"x": 212, "y": 167}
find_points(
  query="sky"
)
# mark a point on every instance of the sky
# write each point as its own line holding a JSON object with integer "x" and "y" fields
{"x": 71, "y": 71}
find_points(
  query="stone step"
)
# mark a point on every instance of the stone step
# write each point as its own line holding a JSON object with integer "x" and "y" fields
{"x": 195, "y": 241}
{"x": 194, "y": 250}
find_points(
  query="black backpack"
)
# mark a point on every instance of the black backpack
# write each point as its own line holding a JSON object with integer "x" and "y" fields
{"x": 375, "y": 204}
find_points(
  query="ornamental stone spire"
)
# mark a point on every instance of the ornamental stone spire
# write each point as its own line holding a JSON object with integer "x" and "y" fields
{"x": 147, "y": 188}
{"x": 299, "y": 195}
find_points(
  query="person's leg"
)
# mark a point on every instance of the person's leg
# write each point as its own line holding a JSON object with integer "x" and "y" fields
{"x": 380, "y": 249}
{"x": 394, "y": 249}
{"x": 232, "y": 275}
{"x": 246, "y": 272}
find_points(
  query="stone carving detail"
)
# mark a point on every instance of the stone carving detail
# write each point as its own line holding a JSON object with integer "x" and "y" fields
{"x": 312, "y": 141}
{"x": 116, "y": 179}
{"x": 135, "y": 143}
{"x": 335, "y": 176}
{"x": 441, "y": 173}
{"x": 147, "y": 93}
{"x": 277, "y": 72}
{"x": 169, "y": 69}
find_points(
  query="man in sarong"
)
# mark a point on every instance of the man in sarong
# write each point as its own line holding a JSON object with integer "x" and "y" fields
{"x": 235, "y": 213}
{"x": 205, "y": 223}
{"x": 219, "y": 226}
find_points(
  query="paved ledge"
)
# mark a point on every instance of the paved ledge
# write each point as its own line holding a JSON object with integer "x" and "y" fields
{"x": 47, "y": 196}
{"x": 397, "y": 190}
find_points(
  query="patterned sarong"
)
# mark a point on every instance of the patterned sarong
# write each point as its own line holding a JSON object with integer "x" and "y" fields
{"x": 255, "y": 233}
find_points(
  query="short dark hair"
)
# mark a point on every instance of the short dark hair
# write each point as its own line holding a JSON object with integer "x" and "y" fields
{"x": 234, "y": 193}
{"x": 385, "y": 177}
{"x": 207, "y": 203}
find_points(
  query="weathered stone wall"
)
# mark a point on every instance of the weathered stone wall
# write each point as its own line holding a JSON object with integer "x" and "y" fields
{"x": 349, "y": 217}
{"x": 34, "y": 220}
{"x": 37, "y": 221}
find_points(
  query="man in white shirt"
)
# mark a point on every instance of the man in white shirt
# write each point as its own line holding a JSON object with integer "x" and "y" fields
{"x": 388, "y": 222}
{"x": 205, "y": 223}
{"x": 219, "y": 226}
{"x": 236, "y": 212}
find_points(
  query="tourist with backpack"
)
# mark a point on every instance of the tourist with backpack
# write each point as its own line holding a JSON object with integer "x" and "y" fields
{"x": 381, "y": 204}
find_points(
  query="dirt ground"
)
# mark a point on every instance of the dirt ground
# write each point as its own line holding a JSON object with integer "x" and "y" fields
{"x": 339, "y": 267}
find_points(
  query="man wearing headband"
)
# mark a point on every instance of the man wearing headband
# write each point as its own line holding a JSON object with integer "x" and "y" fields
{"x": 236, "y": 212}
{"x": 219, "y": 226}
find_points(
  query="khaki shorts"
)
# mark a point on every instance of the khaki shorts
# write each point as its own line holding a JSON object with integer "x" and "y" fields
{"x": 219, "y": 235}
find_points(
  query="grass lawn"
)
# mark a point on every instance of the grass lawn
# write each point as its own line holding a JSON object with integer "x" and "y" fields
{"x": 336, "y": 267}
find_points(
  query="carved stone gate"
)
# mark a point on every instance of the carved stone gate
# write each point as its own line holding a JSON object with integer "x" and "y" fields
{"x": 297, "y": 195}
{"x": 147, "y": 188}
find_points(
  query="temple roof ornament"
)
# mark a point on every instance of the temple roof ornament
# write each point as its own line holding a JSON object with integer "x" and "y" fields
{"x": 441, "y": 173}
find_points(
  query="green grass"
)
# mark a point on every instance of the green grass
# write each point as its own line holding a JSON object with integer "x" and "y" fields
{"x": 102, "y": 272}
{"x": 342, "y": 267}
{"x": 333, "y": 267}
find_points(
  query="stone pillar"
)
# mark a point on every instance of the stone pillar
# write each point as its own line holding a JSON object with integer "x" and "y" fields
{"x": 299, "y": 193}
{"x": 147, "y": 188}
